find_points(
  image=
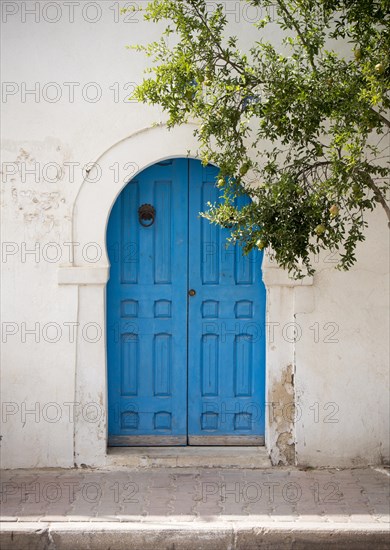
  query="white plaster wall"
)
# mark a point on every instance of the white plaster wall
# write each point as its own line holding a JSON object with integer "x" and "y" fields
{"x": 35, "y": 212}
{"x": 343, "y": 386}
{"x": 37, "y": 131}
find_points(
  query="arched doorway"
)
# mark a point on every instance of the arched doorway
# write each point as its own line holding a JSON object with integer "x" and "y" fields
{"x": 185, "y": 317}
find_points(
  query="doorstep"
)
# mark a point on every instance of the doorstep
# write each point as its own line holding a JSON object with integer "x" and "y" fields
{"x": 253, "y": 457}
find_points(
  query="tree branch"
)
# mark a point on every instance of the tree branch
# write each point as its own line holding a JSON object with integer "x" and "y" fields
{"x": 224, "y": 56}
{"x": 381, "y": 199}
{"x": 290, "y": 18}
{"x": 385, "y": 121}
{"x": 314, "y": 166}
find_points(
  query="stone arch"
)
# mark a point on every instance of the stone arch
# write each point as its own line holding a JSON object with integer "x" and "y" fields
{"x": 112, "y": 171}
{"x": 98, "y": 192}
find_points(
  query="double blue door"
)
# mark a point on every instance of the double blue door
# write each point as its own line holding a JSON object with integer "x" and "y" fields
{"x": 185, "y": 317}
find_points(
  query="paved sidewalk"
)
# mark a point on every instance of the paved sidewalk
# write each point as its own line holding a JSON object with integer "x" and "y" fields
{"x": 185, "y": 508}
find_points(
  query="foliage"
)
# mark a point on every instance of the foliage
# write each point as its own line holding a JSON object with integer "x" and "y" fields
{"x": 299, "y": 125}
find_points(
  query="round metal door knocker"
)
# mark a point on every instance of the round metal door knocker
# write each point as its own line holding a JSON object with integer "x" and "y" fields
{"x": 146, "y": 215}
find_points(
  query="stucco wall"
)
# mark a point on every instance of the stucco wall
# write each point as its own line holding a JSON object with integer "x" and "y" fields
{"x": 345, "y": 380}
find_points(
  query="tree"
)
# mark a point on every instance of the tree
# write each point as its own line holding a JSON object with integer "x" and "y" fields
{"x": 300, "y": 126}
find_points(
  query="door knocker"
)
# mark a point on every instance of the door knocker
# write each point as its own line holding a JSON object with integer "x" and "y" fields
{"x": 146, "y": 215}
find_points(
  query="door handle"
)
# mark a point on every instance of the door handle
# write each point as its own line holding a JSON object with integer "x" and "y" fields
{"x": 191, "y": 292}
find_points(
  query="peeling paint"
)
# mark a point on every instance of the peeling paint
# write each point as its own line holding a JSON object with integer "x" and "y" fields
{"x": 286, "y": 446}
{"x": 282, "y": 413}
{"x": 37, "y": 188}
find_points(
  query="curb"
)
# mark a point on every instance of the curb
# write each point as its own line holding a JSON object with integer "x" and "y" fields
{"x": 192, "y": 536}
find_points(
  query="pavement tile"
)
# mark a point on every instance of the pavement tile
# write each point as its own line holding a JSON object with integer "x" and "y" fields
{"x": 196, "y": 494}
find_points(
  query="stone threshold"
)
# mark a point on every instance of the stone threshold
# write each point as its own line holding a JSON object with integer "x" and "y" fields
{"x": 253, "y": 457}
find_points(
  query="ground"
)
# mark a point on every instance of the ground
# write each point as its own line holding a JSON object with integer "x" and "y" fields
{"x": 203, "y": 508}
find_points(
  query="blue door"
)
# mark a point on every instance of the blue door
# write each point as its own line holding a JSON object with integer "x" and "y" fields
{"x": 185, "y": 317}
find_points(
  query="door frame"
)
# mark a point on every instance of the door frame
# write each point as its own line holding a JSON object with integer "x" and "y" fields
{"x": 191, "y": 408}
{"x": 84, "y": 280}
